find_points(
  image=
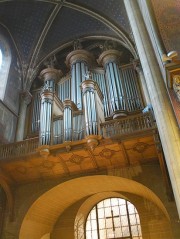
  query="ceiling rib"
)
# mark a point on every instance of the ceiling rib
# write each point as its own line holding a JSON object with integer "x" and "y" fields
{"x": 105, "y": 21}
{"x": 41, "y": 40}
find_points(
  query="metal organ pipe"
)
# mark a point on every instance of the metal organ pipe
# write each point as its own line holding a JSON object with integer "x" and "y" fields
{"x": 90, "y": 107}
{"x": 109, "y": 59}
{"x": 79, "y": 61}
{"x": 35, "y": 112}
{"x": 132, "y": 89}
{"x": 50, "y": 76}
{"x": 69, "y": 107}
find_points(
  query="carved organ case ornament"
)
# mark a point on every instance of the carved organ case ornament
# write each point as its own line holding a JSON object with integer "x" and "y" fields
{"x": 73, "y": 107}
{"x": 176, "y": 86}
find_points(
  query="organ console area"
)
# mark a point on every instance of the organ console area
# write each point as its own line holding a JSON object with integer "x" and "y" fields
{"x": 73, "y": 107}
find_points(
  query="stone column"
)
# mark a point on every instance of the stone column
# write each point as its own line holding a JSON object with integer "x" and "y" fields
{"x": 79, "y": 61}
{"x": 25, "y": 101}
{"x": 49, "y": 76}
{"x": 110, "y": 59}
{"x": 165, "y": 118}
{"x": 142, "y": 82}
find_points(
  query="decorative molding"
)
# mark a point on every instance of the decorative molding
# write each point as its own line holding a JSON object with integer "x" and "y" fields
{"x": 76, "y": 159}
{"x": 106, "y": 153}
{"x": 140, "y": 147}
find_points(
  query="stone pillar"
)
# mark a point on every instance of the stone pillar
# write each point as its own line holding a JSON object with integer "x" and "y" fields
{"x": 165, "y": 118}
{"x": 110, "y": 59}
{"x": 152, "y": 28}
{"x": 49, "y": 76}
{"x": 142, "y": 82}
{"x": 25, "y": 101}
{"x": 79, "y": 61}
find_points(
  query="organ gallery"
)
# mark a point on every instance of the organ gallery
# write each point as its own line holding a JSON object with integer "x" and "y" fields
{"x": 89, "y": 119}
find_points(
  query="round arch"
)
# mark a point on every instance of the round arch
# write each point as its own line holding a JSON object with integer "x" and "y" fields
{"x": 43, "y": 214}
{"x": 86, "y": 207}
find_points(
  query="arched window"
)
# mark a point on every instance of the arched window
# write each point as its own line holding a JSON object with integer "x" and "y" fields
{"x": 113, "y": 218}
{"x": 5, "y": 61}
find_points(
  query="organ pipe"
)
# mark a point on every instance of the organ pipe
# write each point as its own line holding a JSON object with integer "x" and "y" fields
{"x": 109, "y": 59}
{"x": 92, "y": 97}
{"x": 58, "y": 130}
{"x": 49, "y": 77}
{"x": 36, "y": 108}
{"x": 79, "y": 61}
{"x": 64, "y": 88}
{"x": 134, "y": 101}
{"x": 69, "y": 107}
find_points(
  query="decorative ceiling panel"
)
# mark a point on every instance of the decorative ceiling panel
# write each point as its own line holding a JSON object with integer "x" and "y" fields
{"x": 25, "y": 21}
{"x": 168, "y": 19}
{"x": 69, "y": 25}
{"x": 112, "y": 10}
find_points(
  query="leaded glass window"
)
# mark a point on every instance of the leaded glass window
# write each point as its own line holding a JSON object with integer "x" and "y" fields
{"x": 113, "y": 218}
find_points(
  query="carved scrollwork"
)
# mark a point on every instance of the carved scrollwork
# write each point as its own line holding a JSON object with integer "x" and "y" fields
{"x": 176, "y": 86}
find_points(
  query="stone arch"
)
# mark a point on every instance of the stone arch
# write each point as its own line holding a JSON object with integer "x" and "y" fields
{"x": 43, "y": 214}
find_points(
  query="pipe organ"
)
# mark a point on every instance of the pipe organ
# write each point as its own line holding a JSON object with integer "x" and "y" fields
{"x": 133, "y": 96}
{"x": 49, "y": 77}
{"x": 78, "y": 123}
{"x": 93, "y": 110}
{"x": 73, "y": 107}
{"x": 109, "y": 59}
{"x": 64, "y": 88}
{"x": 36, "y": 109}
{"x": 99, "y": 76}
{"x": 58, "y": 129}
{"x": 78, "y": 61}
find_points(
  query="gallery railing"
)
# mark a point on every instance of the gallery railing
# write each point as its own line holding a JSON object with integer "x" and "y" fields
{"x": 19, "y": 148}
{"x": 127, "y": 126}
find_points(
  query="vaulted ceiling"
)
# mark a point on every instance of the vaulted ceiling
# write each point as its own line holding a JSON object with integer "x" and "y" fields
{"x": 41, "y": 27}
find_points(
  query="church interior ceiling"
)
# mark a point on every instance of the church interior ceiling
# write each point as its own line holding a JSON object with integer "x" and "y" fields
{"x": 40, "y": 27}
{"x": 167, "y": 16}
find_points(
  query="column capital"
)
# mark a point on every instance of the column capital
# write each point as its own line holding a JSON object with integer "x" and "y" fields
{"x": 137, "y": 65}
{"x": 26, "y": 97}
{"x": 79, "y": 55}
{"x": 50, "y": 74}
{"x": 109, "y": 56}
